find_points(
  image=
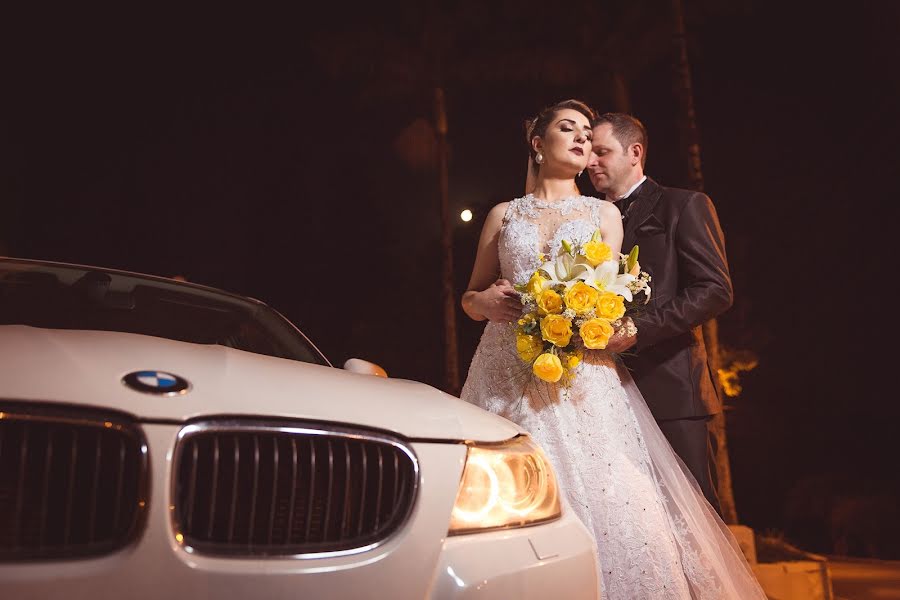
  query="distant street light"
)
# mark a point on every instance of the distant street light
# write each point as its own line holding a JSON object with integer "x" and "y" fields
{"x": 466, "y": 215}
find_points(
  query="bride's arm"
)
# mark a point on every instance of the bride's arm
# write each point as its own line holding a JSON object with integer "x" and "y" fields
{"x": 611, "y": 226}
{"x": 613, "y": 233}
{"x": 488, "y": 297}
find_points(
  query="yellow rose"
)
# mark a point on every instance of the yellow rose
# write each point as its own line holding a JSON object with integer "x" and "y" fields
{"x": 597, "y": 252}
{"x": 535, "y": 285}
{"x": 574, "y": 359}
{"x": 549, "y": 303}
{"x": 527, "y": 319}
{"x": 548, "y": 368}
{"x": 581, "y": 297}
{"x": 529, "y": 347}
{"x": 610, "y": 306}
{"x": 595, "y": 333}
{"x": 557, "y": 330}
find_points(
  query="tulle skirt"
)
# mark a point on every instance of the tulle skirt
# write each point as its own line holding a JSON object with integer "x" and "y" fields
{"x": 657, "y": 536}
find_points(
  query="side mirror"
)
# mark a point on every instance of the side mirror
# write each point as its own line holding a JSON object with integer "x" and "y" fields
{"x": 364, "y": 367}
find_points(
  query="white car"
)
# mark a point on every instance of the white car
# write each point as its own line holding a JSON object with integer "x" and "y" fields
{"x": 160, "y": 439}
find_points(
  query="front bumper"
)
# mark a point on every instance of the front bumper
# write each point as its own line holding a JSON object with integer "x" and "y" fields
{"x": 553, "y": 560}
{"x": 419, "y": 561}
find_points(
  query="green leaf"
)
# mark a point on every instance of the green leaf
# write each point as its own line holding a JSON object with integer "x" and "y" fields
{"x": 567, "y": 246}
{"x": 597, "y": 237}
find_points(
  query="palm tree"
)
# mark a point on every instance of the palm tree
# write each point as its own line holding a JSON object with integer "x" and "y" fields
{"x": 690, "y": 145}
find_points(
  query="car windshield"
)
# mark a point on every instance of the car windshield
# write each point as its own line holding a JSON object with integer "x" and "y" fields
{"x": 70, "y": 297}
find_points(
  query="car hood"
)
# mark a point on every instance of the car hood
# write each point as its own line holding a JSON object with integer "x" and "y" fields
{"x": 87, "y": 367}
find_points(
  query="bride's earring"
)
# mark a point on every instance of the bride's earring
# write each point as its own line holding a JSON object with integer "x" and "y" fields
{"x": 580, "y": 172}
{"x": 538, "y": 158}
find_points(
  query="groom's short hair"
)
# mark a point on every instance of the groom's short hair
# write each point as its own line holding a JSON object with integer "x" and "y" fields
{"x": 627, "y": 129}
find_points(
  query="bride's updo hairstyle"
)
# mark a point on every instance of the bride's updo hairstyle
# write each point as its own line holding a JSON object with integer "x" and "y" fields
{"x": 537, "y": 126}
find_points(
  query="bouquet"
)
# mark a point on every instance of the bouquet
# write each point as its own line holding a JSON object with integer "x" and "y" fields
{"x": 575, "y": 302}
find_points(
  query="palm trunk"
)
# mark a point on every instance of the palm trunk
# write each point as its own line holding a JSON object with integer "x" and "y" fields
{"x": 684, "y": 95}
{"x": 451, "y": 353}
{"x": 690, "y": 140}
{"x": 620, "y": 99}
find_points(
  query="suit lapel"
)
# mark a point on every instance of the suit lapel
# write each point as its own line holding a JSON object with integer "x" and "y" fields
{"x": 643, "y": 205}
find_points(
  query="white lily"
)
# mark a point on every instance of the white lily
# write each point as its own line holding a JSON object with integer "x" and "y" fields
{"x": 565, "y": 270}
{"x": 641, "y": 285}
{"x": 607, "y": 278}
{"x": 647, "y": 290}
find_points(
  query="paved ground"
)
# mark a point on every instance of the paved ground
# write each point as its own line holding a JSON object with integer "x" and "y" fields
{"x": 860, "y": 579}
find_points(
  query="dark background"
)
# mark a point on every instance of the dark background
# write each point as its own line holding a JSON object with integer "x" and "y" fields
{"x": 259, "y": 153}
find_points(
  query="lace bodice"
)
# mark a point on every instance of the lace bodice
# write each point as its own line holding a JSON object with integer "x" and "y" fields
{"x": 533, "y": 226}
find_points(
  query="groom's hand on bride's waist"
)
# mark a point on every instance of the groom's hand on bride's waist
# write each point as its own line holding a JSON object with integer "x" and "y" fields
{"x": 621, "y": 339}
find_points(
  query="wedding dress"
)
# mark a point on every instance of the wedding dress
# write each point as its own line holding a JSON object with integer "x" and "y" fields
{"x": 657, "y": 536}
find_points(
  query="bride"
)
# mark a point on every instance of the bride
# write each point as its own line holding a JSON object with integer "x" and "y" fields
{"x": 657, "y": 536}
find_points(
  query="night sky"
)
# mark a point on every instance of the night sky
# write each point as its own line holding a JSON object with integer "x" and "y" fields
{"x": 259, "y": 153}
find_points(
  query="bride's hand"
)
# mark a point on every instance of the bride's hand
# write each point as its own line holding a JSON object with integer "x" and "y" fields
{"x": 499, "y": 302}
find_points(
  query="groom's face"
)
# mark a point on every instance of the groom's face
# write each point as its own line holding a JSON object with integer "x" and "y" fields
{"x": 609, "y": 166}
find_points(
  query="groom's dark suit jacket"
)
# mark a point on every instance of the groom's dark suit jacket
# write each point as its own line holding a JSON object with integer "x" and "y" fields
{"x": 683, "y": 250}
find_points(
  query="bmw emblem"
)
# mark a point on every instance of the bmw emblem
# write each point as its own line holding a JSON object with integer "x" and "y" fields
{"x": 157, "y": 382}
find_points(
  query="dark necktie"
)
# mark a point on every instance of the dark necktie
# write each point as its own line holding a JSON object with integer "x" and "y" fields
{"x": 625, "y": 204}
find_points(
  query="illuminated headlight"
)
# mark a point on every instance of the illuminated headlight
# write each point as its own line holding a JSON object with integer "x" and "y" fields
{"x": 505, "y": 485}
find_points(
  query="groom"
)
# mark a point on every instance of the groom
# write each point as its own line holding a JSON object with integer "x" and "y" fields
{"x": 682, "y": 248}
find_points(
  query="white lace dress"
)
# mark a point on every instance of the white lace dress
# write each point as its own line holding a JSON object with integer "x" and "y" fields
{"x": 657, "y": 537}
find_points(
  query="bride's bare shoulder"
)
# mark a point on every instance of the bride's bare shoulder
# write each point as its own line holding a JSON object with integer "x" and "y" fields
{"x": 608, "y": 209}
{"x": 499, "y": 209}
{"x": 494, "y": 219}
{"x": 497, "y": 214}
